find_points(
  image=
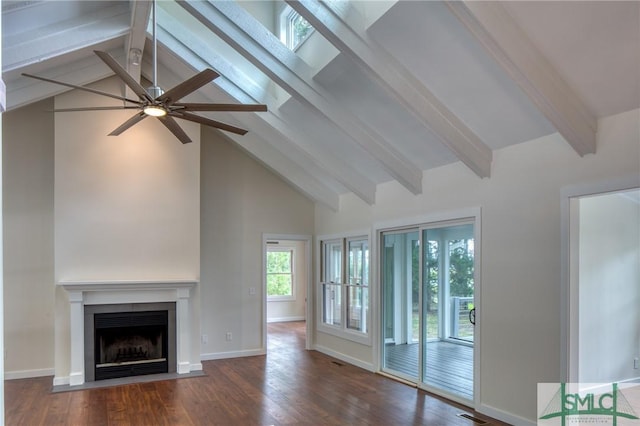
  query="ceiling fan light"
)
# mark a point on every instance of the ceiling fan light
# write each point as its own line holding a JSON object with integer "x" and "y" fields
{"x": 155, "y": 110}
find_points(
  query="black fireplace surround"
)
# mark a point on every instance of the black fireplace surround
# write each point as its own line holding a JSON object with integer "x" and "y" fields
{"x": 130, "y": 344}
{"x": 129, "y": 340}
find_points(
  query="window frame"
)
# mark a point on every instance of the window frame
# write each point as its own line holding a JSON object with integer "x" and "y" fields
{"x": 286, "y": 17}
{"x": 278, "y": 298}
{"x": 342, "y": 329}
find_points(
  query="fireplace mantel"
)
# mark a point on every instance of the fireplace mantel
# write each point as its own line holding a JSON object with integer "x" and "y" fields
{"x": 99, "y": 292}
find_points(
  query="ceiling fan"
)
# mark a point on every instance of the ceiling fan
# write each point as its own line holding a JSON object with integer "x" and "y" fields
{"x": 154, "y": 102}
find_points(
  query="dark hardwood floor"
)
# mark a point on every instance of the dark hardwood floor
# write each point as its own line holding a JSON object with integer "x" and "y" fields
{"x": 289, "y": 386}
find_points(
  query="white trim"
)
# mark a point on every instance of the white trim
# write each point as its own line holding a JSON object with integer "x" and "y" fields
{"x": 61, "y": 381}
{"x": 504, "y": 416}
{"x": 28, "y": 374}
{"x": 444, "y": 218}
{"x": 232, "y": 354}
{"x": 569, "y": 338}
{"x": 81, "y": 293}
{"x": 308, "y": 240}
{"x": 196, "y": 367}
{"x": 284, "y": 248}
{"x": 417, "y": 221}
{"x": 346, "y": 358}
{"x": 285, "y": 319}
{"x": 285, "y": 17}
{"x": 342, "y": 331}
{"x": 345, "y": 333}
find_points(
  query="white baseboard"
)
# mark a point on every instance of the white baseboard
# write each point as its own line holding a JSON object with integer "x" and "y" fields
{"x": 346, "y": 358}
{"x": 28, "y": 374}
{"x": 232, "y": 354}
{"x": 285, "y": 319}
{"x": 606, "y": 387}
{"x": 61, "y": 381}
{"x": 504, "y": 416}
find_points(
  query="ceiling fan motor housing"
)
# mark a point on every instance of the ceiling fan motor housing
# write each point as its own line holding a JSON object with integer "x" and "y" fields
{"x": 155, "y": 91}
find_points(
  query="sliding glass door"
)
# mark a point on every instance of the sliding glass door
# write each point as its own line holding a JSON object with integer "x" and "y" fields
{"x": 428, "y": 303}
{"x": 448, "y": 311}
{"x": 401, "y": 302}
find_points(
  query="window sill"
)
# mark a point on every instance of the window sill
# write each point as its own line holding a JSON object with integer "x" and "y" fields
{"x": 354, "y": 336}
{"x": 281, "y": 298}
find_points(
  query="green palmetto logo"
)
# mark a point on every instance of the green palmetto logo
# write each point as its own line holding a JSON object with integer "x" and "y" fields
{"x": 564, "y": 404}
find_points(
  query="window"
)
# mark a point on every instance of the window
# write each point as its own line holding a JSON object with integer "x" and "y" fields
{"x": 294, "y": 29}
{"x": 332, "y": 280}
{"x": 358, "y": 285}
{"x": 345, "y": 277}
{"x": 280, "y": 273}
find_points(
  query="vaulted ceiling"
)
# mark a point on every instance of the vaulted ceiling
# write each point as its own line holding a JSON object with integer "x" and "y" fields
{"x": 381, "y": 91}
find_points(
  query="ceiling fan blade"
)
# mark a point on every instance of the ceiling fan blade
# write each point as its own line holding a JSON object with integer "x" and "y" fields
{"x": 86, "y": 89}
{"x": 124, "y": 75}
{"x": 130, "y": 122}
{"x": 188, "y": 86}
{"x": 208, "y": 122}
{"x": 105, "y": 108}
{"x": 173, "y": 126}
{"x": 220, "y": 107}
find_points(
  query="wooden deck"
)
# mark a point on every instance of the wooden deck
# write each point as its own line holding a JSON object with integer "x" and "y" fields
{"x": 289, "y": 386}
{"x": 449, "y": 365}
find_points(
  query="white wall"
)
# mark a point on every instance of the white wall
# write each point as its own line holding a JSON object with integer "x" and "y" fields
{"x": 241, "y": 200}
{"x": 27, "y": 144}
{"x": 520, "y": 312}
{"x": 125, "y": 207}
{"x": 292, "y": 310}
{"x": 609, "y": 325}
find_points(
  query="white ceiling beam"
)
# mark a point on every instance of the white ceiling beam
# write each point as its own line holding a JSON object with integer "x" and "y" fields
{"x": 258, "y": 45}
{"x": 500, "y": 35}
{"x": 140, "y": 11}
{"x": 285, "y": 136}
{"x": 176, "y": 70}
{"x": 340, "y": 26}
{"x": 23, "y": 90}
{"x": 31, "y": 47}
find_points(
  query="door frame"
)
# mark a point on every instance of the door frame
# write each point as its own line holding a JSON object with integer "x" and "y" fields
{"x": 308, "y": 297}
{"x": 569, "y": 297}
{"x": 473, "y": 215}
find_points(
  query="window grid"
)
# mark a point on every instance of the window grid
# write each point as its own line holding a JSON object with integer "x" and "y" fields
{"x": 345, "y": 277}
{"x": 280, "y": 274}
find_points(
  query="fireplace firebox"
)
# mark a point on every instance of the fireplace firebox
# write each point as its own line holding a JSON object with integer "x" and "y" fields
{"x": 130, "y": 344}
{"x": 129, "y": 340}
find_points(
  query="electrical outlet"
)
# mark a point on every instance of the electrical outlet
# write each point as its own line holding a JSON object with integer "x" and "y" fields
{"x": 252, "y": 290}
{"x": 636, "y": 363}
{"x": 204, "y": 339}
{"x": 229, "y": 336}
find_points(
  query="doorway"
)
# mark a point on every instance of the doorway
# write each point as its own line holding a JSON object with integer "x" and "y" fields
{"x": 286, "y": 281}
{"x": 429, "y": 278}
{"x": 601, "y": 228}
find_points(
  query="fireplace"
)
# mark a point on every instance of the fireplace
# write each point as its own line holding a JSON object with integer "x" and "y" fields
{"x": 88, "y": 298}
{"x": 129, "y": 340}
{"x": 130, "y": 344}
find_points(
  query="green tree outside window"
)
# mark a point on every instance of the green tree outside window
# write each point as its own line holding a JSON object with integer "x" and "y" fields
{"x": 280, "y": 273}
